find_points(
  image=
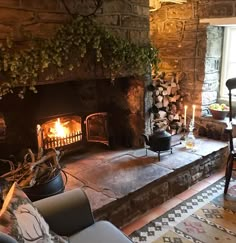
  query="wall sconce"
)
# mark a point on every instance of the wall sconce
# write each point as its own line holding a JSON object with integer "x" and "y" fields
{"x": 156, "y": 4}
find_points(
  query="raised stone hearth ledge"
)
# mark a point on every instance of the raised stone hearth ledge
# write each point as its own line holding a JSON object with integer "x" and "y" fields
{"x": 122, "y": 185}
{"x": 215, "y": 129}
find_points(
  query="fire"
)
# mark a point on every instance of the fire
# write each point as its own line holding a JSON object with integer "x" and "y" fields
{"x": 60, "y": 130}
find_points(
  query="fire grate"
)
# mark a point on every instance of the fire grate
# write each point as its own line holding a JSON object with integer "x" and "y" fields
{"x": 56, "y": 142}
{"x": 62, "y": 131}
{"x": 59, "y": 132}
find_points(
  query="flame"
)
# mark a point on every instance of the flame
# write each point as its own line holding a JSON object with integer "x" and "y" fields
{"x": 60, "y": 130}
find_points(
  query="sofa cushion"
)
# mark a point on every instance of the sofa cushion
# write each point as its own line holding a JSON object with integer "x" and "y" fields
{"x": 21, "y": 220}
{"x": 6, "y": 238}
{"x": 101, "y": 231}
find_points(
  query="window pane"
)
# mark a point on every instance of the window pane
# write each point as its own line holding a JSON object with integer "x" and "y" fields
{"x": 229, "y": 59}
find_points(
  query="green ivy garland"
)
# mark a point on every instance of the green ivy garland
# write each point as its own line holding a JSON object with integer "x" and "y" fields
{"x": 22, "y": 68}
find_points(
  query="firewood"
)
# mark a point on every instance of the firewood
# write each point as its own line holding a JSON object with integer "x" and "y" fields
{"x": 171, "y": 117}
{"x": 165, "y": 101}
{"x": 159, "y": 98}
{"x": 173, "y": 90}
{"x": 164, "y": 92}
{"x": 176, "y": 117}
{"x": 159, "y": 105}
{"x": 169, "y": 90}
{"x": 165, "y": 86}
{"x": 173, "y": 84}
{"x": 162, "y": 114}
{"x": 167, "y": 93}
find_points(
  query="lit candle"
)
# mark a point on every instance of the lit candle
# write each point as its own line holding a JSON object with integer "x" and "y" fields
{"x": 185, "y": 114}
{"x": 194, "y": 107}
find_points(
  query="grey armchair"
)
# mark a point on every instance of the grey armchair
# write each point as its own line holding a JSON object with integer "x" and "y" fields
{"x": 69, "y": 214}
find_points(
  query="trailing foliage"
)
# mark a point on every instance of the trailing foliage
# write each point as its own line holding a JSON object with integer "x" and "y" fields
{"x": 22, "y": 67}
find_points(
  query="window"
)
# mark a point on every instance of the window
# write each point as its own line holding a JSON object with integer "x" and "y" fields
{"x": 229, "y": 60}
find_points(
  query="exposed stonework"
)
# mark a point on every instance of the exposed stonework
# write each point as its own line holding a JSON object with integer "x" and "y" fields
{"x": 184, "y": 44}
{"x": 40, "y": 18}
{"x": 188, "y": 46}
{"x": 126, "y": 19}
{"x": 122, "y": 185}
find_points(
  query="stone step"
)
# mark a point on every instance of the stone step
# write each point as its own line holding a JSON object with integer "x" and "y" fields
{"x": 122, "y": 185}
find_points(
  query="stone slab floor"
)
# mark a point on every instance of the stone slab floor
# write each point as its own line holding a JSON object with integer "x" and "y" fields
{"x": 109, "y": 175}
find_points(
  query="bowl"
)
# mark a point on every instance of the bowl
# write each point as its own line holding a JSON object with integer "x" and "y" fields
{"x": 218, "y": 114}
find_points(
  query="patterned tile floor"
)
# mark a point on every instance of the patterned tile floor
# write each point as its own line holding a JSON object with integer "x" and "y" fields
{"x": 160, "y": 210}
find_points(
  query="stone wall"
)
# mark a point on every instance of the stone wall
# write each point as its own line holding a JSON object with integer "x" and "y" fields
{"x": 126, "y": 19}
{"x": 188, "y": 46}
{"x": 136, "y": 203}
{"x": 41, "y": 19}
{"x": 129, "y": 19}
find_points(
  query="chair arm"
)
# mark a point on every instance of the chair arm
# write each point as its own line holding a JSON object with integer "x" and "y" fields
{"x": 66, "y": 213}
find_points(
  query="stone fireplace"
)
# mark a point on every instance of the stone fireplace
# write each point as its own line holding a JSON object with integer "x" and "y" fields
{"x": 124, "y": 103}
{"x": 78, "y": 94}
{"x": 184, "y": 46}
{"x": 66, "y": 130}
{"x": 90, "y": 111}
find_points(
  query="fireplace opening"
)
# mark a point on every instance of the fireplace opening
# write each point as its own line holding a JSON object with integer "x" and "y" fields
{"x": 94, "y": 110}
{"x": 63, "y": 131}
{"x": 59, "y": 132}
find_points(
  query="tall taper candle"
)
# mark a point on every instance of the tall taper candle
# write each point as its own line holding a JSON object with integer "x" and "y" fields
{"x": 185, "y": 114}
{"x": 193, "y": 118}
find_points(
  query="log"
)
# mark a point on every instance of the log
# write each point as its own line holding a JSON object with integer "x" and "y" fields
{"x": 167, "y": 96}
